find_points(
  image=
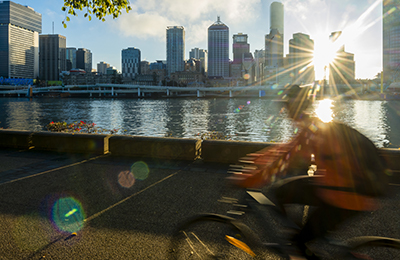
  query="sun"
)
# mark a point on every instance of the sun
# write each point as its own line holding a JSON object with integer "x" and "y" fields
{"x": 325, "y": 52}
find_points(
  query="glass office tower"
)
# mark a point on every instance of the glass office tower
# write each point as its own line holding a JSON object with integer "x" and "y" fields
{"x": 19, "y": 40}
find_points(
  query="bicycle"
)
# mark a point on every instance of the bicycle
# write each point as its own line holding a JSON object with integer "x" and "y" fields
{"x": 216, "y": 236}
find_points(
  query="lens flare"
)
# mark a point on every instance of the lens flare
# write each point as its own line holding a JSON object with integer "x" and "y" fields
{"x": 140, "y": 170}
{"x": 68, "y": 215}
{"x": 246, "y": 76}
{"x": 126, "y": 179}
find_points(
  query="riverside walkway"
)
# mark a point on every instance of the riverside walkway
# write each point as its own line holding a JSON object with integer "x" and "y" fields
{"x": 111, "y": 214}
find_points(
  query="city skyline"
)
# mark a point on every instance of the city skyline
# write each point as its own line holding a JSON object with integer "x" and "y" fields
{"x": 144, "y": 27}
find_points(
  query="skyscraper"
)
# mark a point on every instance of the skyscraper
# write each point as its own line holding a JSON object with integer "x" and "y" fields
{"x": 391, "y": 40}
{"x": 218, "y": 50}
{"x": 175, "y": 49}
{"x": 52, "y": 56}
{"x": 130, "y": 61}
{"x": 342, "y": 69}
{"x": 274, "y": 40}
{"x": 19, "y": 40}
{"x": 102, "y": 67}
{"x": 301, "y": 49}
{"x": 201, "y": 55}
{"x": 71, "y": 58}
{"x": 240, "y": 47}
{"x": 242, "y": 57}
{"x": 84, "y": 59}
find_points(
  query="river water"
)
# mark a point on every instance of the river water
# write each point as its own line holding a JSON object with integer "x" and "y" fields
{"x": 261, "y": 120}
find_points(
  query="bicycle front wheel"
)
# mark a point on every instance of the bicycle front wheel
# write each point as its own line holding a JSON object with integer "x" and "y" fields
{"x": 213, "y": 236}
{"x": 373, "y": 247}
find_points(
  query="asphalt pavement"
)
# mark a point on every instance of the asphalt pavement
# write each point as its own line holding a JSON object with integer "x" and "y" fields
{"x": 74, "y": 206}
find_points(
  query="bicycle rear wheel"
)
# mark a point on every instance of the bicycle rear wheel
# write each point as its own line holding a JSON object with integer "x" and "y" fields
{"x": 213, "y": 236}
{"x": 373, "y": 247}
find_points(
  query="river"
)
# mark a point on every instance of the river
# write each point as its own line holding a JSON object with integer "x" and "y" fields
{"x": 256, "y": 119}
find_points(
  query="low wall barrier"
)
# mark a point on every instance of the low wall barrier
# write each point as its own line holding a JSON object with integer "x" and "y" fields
{"x": 219, "y": 151}
{"x": 228, "y": 151}
{"x": 71, "y": 143}
{"x": 155, "y": 147}
{"x": 15, "y": 139}
{"x": 57, "y": 142}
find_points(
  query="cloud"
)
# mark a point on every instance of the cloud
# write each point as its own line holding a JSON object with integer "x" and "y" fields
{"x": 144, "y": 25}
{"x": 304, "y": 7}
{"x": 149, "y": 18}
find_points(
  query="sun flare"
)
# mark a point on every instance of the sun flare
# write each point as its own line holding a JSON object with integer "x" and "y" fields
{"x": 324, "y": 110}
{"x": 325, "y": 52}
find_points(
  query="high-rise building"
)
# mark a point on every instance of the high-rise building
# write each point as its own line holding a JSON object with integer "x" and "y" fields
{"x": 130, "y": 61}
{"x": 240, "y": 47}
{"x": 274, "y": 40}
{"x": 218, "y": 50}
{"x": 242, "y": 58}
{"x": 259, "y": 59}
{"x": 20, "y": 27}
{"x": 84, "y": 60}
{"x": 144, "y": 67}
{"x": 52, "y": 56}
{"x": 71, "y": 58}
{"x": 391, "y": 40}
{"x": 342, "y": 69}
{"x": 300, "y": 57}
{"x": 102, "y": 68}
{"x": 175, "y": 49}
{"x": 201, "y": 55}
{"x": 276, "y": 17}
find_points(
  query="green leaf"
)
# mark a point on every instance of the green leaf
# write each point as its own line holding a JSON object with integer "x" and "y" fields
{"x": 85, "y": 15}
{"x": 63, "y": 8}
{"x": 65, "y": 25}
{"x": 67, "y": 18}
{"x": 90, "y": 18}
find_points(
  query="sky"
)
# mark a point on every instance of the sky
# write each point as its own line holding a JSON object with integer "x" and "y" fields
{"x": 144, "y": 27}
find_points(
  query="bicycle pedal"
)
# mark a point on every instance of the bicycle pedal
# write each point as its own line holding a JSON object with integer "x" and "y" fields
{"x": 260, "y": 198}
{"x": 241, "y": 206}
{"x": 235, "y": 212}
{"x": 228, "y": 200}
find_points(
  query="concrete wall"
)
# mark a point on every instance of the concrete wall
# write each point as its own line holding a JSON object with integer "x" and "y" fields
{"x": 152, "y": 147}
{"x": 68, "y": 142}
{"x": 57, "y": 142}
{"x": 155, "y": 147}
{"x": 228, "y": 151}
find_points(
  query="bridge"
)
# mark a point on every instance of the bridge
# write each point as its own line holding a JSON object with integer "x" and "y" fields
{"x": 115, "y": 90}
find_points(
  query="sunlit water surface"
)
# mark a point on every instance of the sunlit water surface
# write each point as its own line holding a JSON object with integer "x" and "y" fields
{"x": 260, "y": 120}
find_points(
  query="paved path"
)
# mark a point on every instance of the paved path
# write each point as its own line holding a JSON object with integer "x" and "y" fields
{"x": 113, "y": 215}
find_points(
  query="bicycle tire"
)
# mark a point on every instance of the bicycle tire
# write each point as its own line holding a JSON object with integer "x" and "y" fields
{"x": 203, "y": 237}
{"x": 374, "y": 247}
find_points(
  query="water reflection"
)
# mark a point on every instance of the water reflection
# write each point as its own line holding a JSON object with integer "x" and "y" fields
{"x": 21, "y": 114}
{"x": 368, "y": 117}
{"x": 239, "y": 119}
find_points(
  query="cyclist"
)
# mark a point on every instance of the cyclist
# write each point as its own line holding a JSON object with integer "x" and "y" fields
{"x": 349, "y": 179}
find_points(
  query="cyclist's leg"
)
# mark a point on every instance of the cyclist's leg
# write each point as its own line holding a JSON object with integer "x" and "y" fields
{"x": 325, "y": 218}
{"x": 295, "y": 190}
